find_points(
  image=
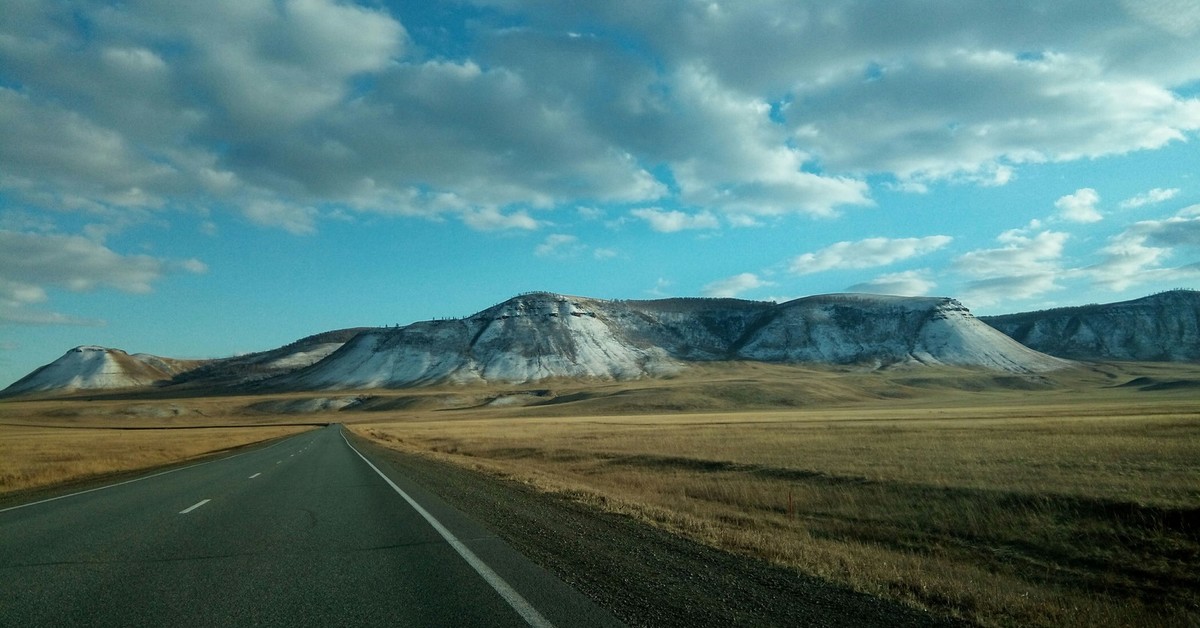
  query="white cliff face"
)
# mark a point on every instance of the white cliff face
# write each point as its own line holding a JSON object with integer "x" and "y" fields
{"x": 869, "y": 329}
{"x": 528, "y": 338}
{"x": 1163, "y": 327}
{"x": 98, "y": 368}
{"x": 540, "y": 336}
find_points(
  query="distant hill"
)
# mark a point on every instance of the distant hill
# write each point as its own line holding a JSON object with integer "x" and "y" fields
{"x": 261, "y": 365}
{"x": 540, "y": 335}
{"x": 100, "y": 368}
{"x": 1164, "y": 327}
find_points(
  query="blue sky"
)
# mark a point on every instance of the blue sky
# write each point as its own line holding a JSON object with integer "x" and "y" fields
{"x": 203, "y": 179}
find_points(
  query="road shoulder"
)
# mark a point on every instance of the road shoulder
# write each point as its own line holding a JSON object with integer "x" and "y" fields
{"x": 643, "y": 575}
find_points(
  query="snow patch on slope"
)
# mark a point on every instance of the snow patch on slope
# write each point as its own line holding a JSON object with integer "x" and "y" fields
{"x": 883, "y": 330}
{"x": 99, "y": 368}
{"x": 539, "y": 336}
{"x": 528, "y": 338}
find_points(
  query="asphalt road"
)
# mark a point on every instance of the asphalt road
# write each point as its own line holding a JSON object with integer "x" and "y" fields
{"x": 305, "y": 532}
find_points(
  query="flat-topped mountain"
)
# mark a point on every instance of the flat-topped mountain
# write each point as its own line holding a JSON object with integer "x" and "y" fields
{"x": 542, "y": 335}
{"x": 1164, "y": 327}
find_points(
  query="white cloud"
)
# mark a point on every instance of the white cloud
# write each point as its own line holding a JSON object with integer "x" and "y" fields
{"x": 734, "y": 286}
{"x": 741, "y": 110}
{"x": 296, "y": 220}
{"x": 33, "y": 263}
{"x": 1138, "y": 254}
{"x": 660, "y": 287}
{"x": 1150, "y": 197}
{"x": 558, "y": 245}
{"x": 54, "y": 151}
{"x": 674, "y": 220}
{"x": 1127, "y": 260}
{"x": 492, "y": 219}
{"x": 959, "y": 113}
{"x": 1024, "y": 267}
{"x": 910, "y": 283}
{"x": 1176, "y": 17}
{"x": 737, "y": 159}
{"x": 930, "y": 89}
{"x": 866, "y": 253}
{"x": 590, "y": 213}
{"x": 1080, "y": 206}
{"x": 193, "y": 266}
{"x": 272, "y": 108}
{"x": 743, "y": 220}
{"x": 271, "y": 65}
{"x": 566, "y": 246}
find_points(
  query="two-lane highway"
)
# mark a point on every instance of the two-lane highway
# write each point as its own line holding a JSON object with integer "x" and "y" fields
{"x": 302, "y": 532}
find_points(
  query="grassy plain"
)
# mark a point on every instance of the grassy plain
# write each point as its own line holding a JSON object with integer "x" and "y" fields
{"x": 44, "y": 443}
{"x": 1076, "y": 503}
{"x": 1071, "y": 499}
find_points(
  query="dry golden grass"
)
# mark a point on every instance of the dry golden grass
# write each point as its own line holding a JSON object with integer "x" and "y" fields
{"x": 43, "y": 443}
{"x": 1079, "y": 505}
{"x": 1067, "y": 499}
{"x": 32, "y": 456}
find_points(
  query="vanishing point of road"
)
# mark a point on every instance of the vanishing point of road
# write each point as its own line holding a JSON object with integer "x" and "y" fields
{"x": 303, "y": 532}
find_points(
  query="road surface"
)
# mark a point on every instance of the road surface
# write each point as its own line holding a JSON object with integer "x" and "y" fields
{"x": 304, "y": 532}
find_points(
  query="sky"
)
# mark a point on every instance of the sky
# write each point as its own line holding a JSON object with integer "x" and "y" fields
{"x": 203, "y": 179}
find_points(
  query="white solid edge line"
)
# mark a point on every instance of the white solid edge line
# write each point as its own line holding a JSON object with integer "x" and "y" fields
{"x": 139, "y": 479}
{"x": 510, "y": 595}
{"x": 194, "y": 506}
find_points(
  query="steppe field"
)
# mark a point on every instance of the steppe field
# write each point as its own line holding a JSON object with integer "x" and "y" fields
{"x": 1001, "y": 500}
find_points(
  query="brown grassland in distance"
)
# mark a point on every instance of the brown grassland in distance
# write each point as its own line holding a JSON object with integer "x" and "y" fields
{"x": 47, "y": 443}
{"x": 1071, "y": 499}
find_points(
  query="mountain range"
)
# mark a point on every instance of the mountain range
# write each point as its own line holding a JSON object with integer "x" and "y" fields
{"x": 1164, "y": 327}
{"x": 538, "y": 336}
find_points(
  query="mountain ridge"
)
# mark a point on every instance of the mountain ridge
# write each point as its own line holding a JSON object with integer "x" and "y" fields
{"x": 1162, "y": 327}
{"x": 541, "y": 335}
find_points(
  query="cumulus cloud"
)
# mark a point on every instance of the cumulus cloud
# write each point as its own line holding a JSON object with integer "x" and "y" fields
{"x": 734, "y": 286}
{"x": 295, "y": 219}
{"x": 492, "y": 219}
{"x": 1024, "y": 266}
{"x": 55, "y": 152}
{"x": 910, "y": 283}
{"x": 1139, "y": 253}
{"x": 1080, "y": 206}
{"x": 566, "y": 246}
{"x": 982, "y": 110}
{"x": 559, "y": 245}
{"x": 928, "y": 90}
{"x": 277, "y": 107}
{"x": 866, "y": 253}
{"x": 737, "y": 110}
{"x": 674, "y": 220}
{"x": 33, "y": 263}
{"x": 736, "y": 158}
{"x": 1150, "y": 197}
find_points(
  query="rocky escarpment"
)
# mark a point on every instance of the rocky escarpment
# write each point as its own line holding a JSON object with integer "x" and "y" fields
{"x": 543, "y": 335}
{"x": 1164, "y": 327}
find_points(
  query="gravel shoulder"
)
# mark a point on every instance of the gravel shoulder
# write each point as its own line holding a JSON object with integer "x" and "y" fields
{"x": 641, "y": 574}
